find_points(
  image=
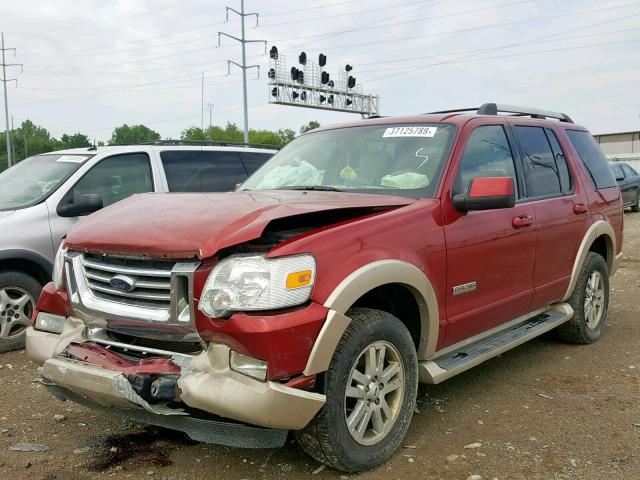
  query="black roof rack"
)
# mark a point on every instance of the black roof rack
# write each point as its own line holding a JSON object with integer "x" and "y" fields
{"x": 496, "y": 108}
{"x": 210, "y": 143}
{"x": 214, "y": 143}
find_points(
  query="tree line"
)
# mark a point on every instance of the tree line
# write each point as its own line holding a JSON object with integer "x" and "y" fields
{"x": 30, "y": 139}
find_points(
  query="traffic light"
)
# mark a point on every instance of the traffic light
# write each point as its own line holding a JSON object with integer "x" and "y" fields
{"x": 273, "y": 53}
{"x": 302, "y": 58}
{"x": 324, "y": 78}
{"x": 300, "y": 76}
{"x": 272, "y": 73}
{"x": 294, "y": 73}
{"x": 351, "y": 82}
{"x": 322, "y": 60}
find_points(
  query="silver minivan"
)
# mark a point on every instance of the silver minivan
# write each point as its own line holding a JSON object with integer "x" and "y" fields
{"x": 42, "y": 196}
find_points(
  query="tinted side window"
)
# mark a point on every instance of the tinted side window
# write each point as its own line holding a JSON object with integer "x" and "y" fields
{"x": 253, "y": 160}
{"x": 628, "y": 171}
{"x": 617, "y": 171}
{"x": 487, "y": 154}
{"x": 116, "y": 178}
{"x": 542, "y": 177}
{"x": 561, "y": 161}
{"x": 592, "y": 158}
{"x": 202, "y": 171}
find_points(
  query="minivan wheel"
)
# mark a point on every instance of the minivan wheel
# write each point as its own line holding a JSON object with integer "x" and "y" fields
{"x": 371, "y": 388}
{"x": 590, "y": 301}
{"x": 18, "y": 294}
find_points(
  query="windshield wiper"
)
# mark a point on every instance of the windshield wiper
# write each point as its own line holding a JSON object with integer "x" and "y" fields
{"x": 322, "y": 188}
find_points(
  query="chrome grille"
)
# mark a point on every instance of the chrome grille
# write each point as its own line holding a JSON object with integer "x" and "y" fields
{"x": 150, "y": 280}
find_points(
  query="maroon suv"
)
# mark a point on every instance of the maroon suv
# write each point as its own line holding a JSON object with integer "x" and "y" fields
{"x": 361, "y": 259}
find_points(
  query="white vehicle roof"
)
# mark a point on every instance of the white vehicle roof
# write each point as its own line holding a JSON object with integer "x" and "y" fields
{"x": 110, "y": 149}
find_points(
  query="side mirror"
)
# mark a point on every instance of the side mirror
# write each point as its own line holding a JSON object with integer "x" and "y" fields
{"x": 487, "y": 193}
{"x": 81, "y": 205}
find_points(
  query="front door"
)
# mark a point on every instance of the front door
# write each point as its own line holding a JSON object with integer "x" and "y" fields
{"x": 490, "y": 253}
{"x": 113, "y": 178}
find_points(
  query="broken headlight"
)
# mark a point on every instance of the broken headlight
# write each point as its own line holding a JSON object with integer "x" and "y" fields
{"x": 253, "y": 282}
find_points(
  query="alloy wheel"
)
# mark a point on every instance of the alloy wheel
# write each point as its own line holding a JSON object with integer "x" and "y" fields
{"x": 16, "y": 308}
{"x": 594, "y": 300}
{"x": 374, "y": 393}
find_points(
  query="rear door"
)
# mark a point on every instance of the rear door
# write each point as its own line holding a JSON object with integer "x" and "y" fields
{"x": 560, "y": 208}
{"x": 202, "y": 170}
{"x": 490, "y": 256}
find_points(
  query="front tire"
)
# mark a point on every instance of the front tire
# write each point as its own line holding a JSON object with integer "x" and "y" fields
{"x": 18, "y": 294}
{"x": 590, "y": 302}
{"x": 371, "y": 388}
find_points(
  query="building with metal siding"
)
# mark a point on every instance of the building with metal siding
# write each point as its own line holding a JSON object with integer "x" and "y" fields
{"x": 621, "y": 147}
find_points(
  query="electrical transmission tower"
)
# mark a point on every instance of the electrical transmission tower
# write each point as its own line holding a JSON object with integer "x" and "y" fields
{"x": 4, "y": 81}
{"x": 243, "y": 65}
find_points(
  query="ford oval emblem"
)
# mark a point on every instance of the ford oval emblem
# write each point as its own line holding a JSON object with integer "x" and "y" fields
{"x": 122, "y": 283}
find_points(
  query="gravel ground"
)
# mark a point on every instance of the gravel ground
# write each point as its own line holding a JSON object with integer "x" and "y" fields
{"x": 545, "y": 410}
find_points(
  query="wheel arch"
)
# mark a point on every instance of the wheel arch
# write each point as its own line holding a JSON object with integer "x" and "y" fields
{"x": 599, "y": 238}
{"x": 28, "y": 262}
{"x": 355, "y": 287}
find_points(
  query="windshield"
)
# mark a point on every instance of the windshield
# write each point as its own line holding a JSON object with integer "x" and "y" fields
{"x": 404, "y": 160}
{"x": 33, "y": 179}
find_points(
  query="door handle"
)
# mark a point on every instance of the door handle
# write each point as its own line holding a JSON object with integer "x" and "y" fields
{"x": 522, "y": 221}
{"x": 579, "y": 208}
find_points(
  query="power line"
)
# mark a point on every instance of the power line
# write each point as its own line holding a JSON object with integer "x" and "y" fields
{"x": 4, "y": 81}
{"x": 524, "y": 42}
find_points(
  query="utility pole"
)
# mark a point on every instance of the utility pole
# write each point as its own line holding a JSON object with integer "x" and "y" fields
{"x": 13, "y": 143}
{"x": 4, "y": 81}
{"x": 210, "y": 107}
{"x": 243, "y": 65}
{"x": 202, "y": 105}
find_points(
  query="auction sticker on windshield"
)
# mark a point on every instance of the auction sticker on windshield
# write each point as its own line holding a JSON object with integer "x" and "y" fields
{"x": 410, "y": 132}
{"x": 72, "y": 158}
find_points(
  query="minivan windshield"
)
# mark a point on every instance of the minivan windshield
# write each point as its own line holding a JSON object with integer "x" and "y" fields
{"x": 399, "y": 159}
{"x": 35, "y": 178}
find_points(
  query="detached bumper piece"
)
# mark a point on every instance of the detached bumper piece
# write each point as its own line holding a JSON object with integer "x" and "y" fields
{"x": 198, "y": 395}
{"x": 206, "y": 431}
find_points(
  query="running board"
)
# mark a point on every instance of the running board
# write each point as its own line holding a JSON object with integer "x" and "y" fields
{"x": 469, "y": 355}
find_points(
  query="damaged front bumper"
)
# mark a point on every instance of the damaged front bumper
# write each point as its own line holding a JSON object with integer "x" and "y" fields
{"x": 253, "y": 413}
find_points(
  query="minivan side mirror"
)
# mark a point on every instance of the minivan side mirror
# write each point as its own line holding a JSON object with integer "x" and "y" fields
{"x": 486, "y": 193}
{"x": 81, "y": 205}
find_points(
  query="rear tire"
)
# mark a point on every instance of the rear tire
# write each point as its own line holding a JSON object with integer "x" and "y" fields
{"x": 590, "y": 302}
{"x": 18, "y": 295}
{"x": 371, "y": 388}
{"x": 636, "y": 206}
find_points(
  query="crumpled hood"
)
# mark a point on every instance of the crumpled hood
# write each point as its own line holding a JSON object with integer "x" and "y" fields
{"x": 189, "y": 225}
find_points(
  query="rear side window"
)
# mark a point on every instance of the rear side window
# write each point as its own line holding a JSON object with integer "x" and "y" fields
{"x": 254, "y": 160}
{"x": 202, "y": 171}
{"x": 592, "y": 158}
{"x": 487, "y": 154}
{"x": 545, "y": 169}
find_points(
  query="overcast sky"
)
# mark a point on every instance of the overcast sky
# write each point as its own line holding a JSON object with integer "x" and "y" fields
{"x": 90, "y": 65}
